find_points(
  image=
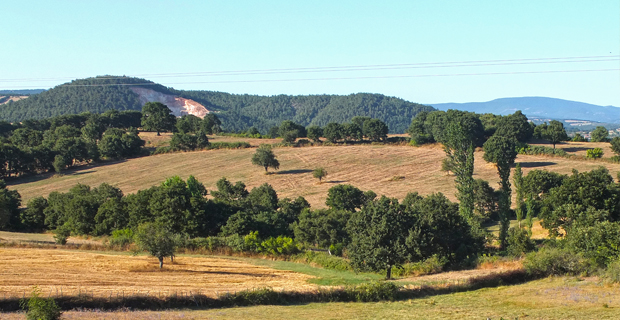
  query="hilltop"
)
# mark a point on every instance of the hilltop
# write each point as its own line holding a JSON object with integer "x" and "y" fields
{"x": 237, "y": 111}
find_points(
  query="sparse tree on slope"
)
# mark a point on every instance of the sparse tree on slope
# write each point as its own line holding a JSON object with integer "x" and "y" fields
{"x": 264, "y": 157}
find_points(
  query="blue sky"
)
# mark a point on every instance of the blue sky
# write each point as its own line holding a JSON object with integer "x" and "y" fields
{"x": 46, "y": 43}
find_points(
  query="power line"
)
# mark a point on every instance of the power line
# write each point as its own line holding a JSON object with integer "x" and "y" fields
{"x": 358, "y": 68}
{"x": 346, "y": 78}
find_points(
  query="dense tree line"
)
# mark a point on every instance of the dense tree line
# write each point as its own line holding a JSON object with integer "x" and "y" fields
{"x": 57, "y": 143}
{"x": 237, "y": 112}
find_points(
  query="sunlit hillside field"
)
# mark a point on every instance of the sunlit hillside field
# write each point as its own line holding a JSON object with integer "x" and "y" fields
{"x": 386, "y": 169}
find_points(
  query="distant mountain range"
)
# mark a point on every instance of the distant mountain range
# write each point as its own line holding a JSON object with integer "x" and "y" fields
{"x": 540, "y": 108}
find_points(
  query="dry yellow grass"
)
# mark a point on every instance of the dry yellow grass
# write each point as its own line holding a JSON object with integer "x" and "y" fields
{"x": 102, "y": 274}
{"x": 368, "y": 167}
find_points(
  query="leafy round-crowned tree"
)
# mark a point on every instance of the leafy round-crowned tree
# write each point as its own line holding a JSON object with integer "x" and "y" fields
{"x": 157, "y": 240}
{"x": 264, "y": 157}
{"x": 157, "y": 117}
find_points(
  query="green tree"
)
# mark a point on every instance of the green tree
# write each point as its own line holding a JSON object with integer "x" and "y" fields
{"x": 516, "y": 126}
{"x": 319, "y": 173}
{"x": 157, "y": 240}
{"x": 10, "y": 200}
{"x": 157, "y": 117}
{"x": 435, "y": 227}
{"x": 555, "y": 133}
{"x": 599, "y": 134}
{"x": 333, "y": 132}
{"x": 315, "y": 133}
{"x": 211, "y": 124}
{"x": 378, "y": 235}
{"x": 375, "y": 129}
{"x": 347, "y": 197}
{"x": 615, "y": 145}
{"x": 264, "y": 157}
{"x": 518, "y": 182}
{"x": 579, "y": 138}
{"x": 501, "y": 151}
{"x": 462, "y": 133}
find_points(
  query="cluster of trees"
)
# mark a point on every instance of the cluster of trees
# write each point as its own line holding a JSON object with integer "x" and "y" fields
{"x": 413, "y": 230}
{"x": 583, "y": 208}
{"x": 56, "y": 143}
{"x": 237, "y": 112}
{"x": 356, "y": 130}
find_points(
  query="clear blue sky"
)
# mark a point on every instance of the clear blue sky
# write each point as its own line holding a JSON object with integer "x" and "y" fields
{"x": 63, "y": 40}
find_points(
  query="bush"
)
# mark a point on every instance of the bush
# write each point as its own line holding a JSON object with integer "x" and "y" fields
{"x": 595, "y": 153}
{"x": 613, "y": 271}
{"x": 519, "y": 242}
{"x": 615, "y": 159}
{"x": 280, "y": 245}
{"x": 38, "y": 308}
{"x": 579, "y": 138}
{"x": 537, "y": 150}
{"x": 434, "y": 264}
{"x": 555, "y": 261}
{"x": 374, "y": 291}
{"x": 61, "y": 234}
{"x": 121, "y": 238}
{"x": 336, "y": 249}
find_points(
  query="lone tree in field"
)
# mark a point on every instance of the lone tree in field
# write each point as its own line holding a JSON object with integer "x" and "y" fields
{"x": 501, "y": 151}
{"x": 157, "y": 117}
{"x": 319, "y": 173}
{"x": 264, "y": 157}
{"x": 157, "y": 240}
{"x": 555, "y": 132}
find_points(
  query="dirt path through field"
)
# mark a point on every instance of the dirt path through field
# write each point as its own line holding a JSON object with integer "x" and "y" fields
{"x": 71, "y": 272}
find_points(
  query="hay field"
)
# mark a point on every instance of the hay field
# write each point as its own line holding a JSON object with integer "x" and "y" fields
{"x": 70, "y": 272}
{"x": 553, "y": 298}
{"x": 368, "y": 167}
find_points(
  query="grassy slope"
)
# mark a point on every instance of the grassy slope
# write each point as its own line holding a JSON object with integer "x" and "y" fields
{"x": 368, "y": 167}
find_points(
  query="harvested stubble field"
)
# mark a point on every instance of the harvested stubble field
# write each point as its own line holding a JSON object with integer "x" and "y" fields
{"x": 368, "y": 167}
{"x": 72, "y": 273}
{"x": 552, "y": 298}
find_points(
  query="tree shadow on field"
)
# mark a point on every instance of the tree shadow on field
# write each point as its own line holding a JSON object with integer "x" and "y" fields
{"x": 536, "y": 164}
{"x": 575, "y": 149}
{"x": 259, "y": 275}
{"x": 298, "y": 171}
{"x": 335, "y": 181}
{"x": 75, "y": 171}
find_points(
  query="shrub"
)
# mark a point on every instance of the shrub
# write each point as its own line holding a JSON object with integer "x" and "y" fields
{"x": 434, "y": 264}
{"x": 579, "y": 138}
{"x": 280, "y": 245}
{"x": 615, "y": 159}
{"x": 374, "y": 291}
{"x": 61, "y": 234}
{"x": 555, "y": 261}
{"x": 595, "y": 153}
{"x": 613, "y": 271}
{"x": 252, "y": 242}
{"x": 537, "y": 150}
{"x": 121, "y": 238}
{"x": 336, "y": 249}
{"x": 38, "y": 308}
{"x": 519, "y": 242}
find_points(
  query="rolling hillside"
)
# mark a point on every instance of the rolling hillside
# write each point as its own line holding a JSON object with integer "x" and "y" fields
{"x": 237, "y": 112}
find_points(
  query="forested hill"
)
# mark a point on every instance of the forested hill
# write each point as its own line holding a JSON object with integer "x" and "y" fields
{"x": 237, "y": 112}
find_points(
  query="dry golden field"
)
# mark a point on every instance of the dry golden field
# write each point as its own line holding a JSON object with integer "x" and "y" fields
{"x": 368, "y": 167}
{"x": 558, "y": 298}
{"x": 70, "y": 272}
